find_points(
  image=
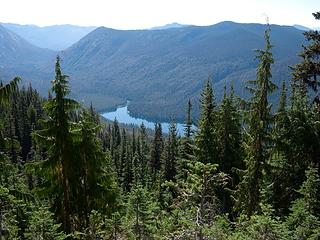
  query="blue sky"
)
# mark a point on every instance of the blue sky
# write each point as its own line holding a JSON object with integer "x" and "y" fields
{"x": 139, "y": 14}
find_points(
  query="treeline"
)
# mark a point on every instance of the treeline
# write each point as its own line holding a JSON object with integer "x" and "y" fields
{"x": 246, "y": 172}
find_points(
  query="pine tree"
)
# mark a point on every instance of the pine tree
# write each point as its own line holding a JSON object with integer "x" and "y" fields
{"x": 122, "y": 170}
{"x": 95, "y": 188}
{"x": 42, "y": 225}
{"x": 171, "y": 154}
{"x": 258, "y": 135}
{"x": 143, "y": 150}
{"x": 140, "y": 213}
{"x": 115, "y": 143}
{"x": 230, "y": 151}
{"x": 8, "y": 89}
{"x": 128, "y": 169}
{"x": 307, "y": 72}
{"x": 188, "y": 121}
{"x": 156, "y": 151}
{"x": 282, "y": 166}
{"x": 58, "y": 139}
{"x": 205, "y": 138}
{"x": 187, "y": 147}
{"x": 296, "y": 145}
{"x": 304, "y": 220}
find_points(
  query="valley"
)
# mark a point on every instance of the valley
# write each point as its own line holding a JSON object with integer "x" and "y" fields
{"x": 159, "y": 70}
{"x": 178, "y": 131}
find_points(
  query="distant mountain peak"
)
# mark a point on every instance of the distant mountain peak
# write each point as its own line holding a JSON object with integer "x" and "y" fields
{"x": 170, "y": 25}
{"x": 300, "y": 27}
{"x": 55, "y": 37}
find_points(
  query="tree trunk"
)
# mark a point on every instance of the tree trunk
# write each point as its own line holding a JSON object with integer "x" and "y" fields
{"x": 66, "y": 204}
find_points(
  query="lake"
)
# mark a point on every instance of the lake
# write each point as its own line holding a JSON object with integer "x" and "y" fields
{"x": 123, "y": 116}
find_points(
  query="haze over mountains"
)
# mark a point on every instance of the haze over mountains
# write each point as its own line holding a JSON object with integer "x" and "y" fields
{"x": 57, "y": 37}
{"x": 158, "y": 70}
{"x": 19, "y": 57}
{"x": 170, "y": 25}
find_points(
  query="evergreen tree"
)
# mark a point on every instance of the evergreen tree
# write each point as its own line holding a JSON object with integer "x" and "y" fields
{"x": 156, "y": 152}
{"x": 58, "y": 139}
{"x": 307, "y": 72}
{"x": 140, "y": 219}
{"x": 188, "y": 121}
{"x": 187, "y": 147}
{"x": 230, "y": 152}
{"x": 282, "y": 167}
{"x": 304, "y": 220}
{"x": 171, "y": 154}
{"x": 128, "y": 169}
{"x": 206, "y": 136}
{"x": 143, "y": 150}
{"x": 8, "y": 89}
{"x": 42, "y": 226}
{"x": 296, "y": 144}
{"x": 122, "y": 171}
{"x": 258, "y": 134}
{"x": 115, "y": 143}
{"x": 95, "y": 187}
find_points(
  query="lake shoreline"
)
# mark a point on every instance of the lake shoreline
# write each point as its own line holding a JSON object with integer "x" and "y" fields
{"x": 122, "y": 115}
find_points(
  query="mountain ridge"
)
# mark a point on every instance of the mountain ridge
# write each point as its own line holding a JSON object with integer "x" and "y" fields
{"x": 55, "y": 37}
{"x": 160, "y": 70}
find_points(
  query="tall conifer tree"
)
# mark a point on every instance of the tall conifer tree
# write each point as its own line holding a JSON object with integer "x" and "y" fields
{"x": 58, "y": 139}
{"x": 258, "y": 134}
{"x": 307, "y": 72}
{"x": 205, "y": 138}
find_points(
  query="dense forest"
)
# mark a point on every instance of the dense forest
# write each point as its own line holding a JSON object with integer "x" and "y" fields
{"x": 248, "y": 170}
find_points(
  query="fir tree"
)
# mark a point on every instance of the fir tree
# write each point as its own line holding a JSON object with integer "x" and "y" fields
{"x": 143, "y": 150}
{"x": 57, "y": 137}
{"x": 95, "y": 187}
{"x": 8, "y": 89}
{"x": 42, "y": 225}
{"x": 307, "y": 72}
{"x": 205, "y": 138}
{"x": 171, "y": 154}
{"x": 140, "y": 213}
{"x": 258, "y": 135}
{"x": 187, "y": 147}
{"x": 230, "y": 152}
{"x": 156, "y": 152}
{"x": 304, "y": 220}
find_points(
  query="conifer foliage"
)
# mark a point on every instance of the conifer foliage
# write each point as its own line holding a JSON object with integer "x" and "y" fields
{"x": 57, "y": 137}
{"x": 258, "y": 139}
{"x": 243, "y": 170}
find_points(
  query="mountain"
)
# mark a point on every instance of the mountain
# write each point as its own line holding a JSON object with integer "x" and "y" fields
{"x": 302, "y": 28}
{"x": 57, "y": 37}
{"x": 19, "y": 57}
{"x": 158, "y": 70}
{"x": 170, "y": 25}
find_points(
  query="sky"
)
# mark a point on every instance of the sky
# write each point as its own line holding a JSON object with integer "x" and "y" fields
{"x": 142, "y": 14}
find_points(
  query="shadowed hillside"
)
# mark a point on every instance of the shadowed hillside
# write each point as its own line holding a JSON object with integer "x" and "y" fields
{"x": 19, "y": 57}
{"x": 159, "y": 70}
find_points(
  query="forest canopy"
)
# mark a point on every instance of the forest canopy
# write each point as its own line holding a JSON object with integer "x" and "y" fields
{"x": 246, "y": 172}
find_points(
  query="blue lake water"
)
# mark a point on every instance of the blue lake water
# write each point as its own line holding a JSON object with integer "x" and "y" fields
{"x": 123, "y": 116}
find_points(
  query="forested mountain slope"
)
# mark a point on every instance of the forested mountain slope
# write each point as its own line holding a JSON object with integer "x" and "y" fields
{"x": 159, "y": 70}
{"x": 19, "y": 57}
{"x": 247, "y": 172}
